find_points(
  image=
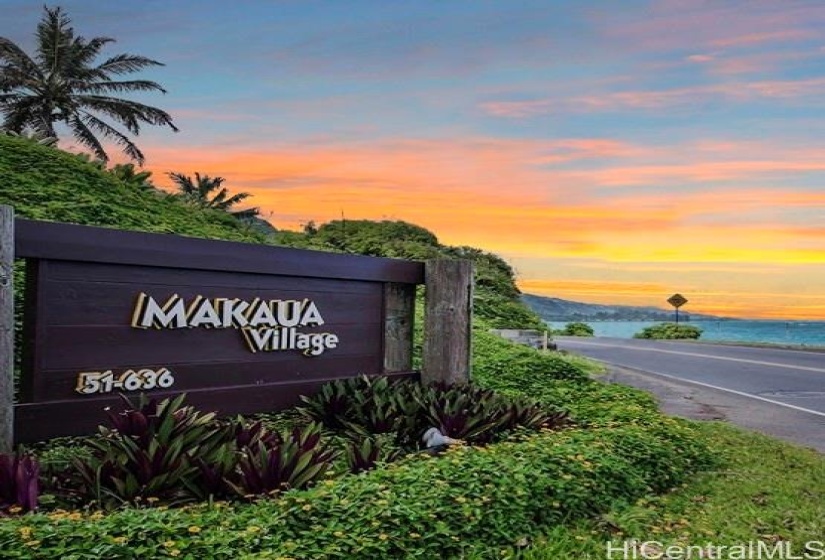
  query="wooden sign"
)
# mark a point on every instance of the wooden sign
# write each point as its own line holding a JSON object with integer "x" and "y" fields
{"x": 239, "y": 327}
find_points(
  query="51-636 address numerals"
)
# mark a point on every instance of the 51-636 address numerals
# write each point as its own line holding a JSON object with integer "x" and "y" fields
{"x": 91, "y": 382}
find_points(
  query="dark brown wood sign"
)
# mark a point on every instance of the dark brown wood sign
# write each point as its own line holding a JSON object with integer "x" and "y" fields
{"x": 239, "y": 327}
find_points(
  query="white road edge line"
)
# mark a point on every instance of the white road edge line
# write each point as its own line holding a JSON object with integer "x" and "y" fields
{"x": 711, "y": 356}
{"x": 735, "y": 392}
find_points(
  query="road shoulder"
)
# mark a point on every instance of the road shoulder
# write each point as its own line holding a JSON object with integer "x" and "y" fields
{"x": 695, "y": 402}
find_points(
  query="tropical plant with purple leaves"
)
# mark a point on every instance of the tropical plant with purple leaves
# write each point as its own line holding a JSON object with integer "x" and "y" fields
{"x": 19, "y": 482}
{"x": 148, "y": 453}
{"x": 297, "y": 461}
{"x": 464, "y": 412}
{"x": 365, "y": 453}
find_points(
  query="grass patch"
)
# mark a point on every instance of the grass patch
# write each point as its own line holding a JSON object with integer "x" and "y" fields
{"x": 763, "y": 490}
{"x": 589, "y": 366}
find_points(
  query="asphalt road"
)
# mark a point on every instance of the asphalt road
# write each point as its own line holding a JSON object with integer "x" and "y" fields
{"x": 777, "y": 391}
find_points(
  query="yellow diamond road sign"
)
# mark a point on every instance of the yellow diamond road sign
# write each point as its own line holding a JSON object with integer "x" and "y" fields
{"x": 677, "y": 300}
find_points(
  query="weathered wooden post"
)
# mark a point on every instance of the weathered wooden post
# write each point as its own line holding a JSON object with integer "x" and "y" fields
{"x": 399, "y": 314}
{"x": 6, "y": 328}
{"x": 447, "y": 317}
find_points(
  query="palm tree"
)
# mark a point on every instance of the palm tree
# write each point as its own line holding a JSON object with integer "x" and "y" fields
{"x": 201, "y": 192}
{"x": 61, "y": 84}
{"x": 126, "y": 172}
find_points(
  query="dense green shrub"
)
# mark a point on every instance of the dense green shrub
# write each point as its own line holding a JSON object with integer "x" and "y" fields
{"x": 575, "y": 329}
{"x": 421, "y": 507}
{"x": 670, "y": 331}
{"x": 501, "y": 364}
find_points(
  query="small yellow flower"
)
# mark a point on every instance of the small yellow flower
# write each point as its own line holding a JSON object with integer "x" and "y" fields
{"x": 120, "y": 540}
{"x": 15, "y": 509}
{"x": 415, "y": 536}
{"x": 306, "y": 507}
{"x": 96, "y": 515}
{"x": 25, "y": 533}
{"x": 194, "y": 529}
{"x": 253, "y": 529}
{"x": 76, "y": 516}
{"x": 174, "y": 552}
{"x": 169, "y": 544}
{"x": 460, "y": 499}
{"x": 338, "y": 534}
{"x": 383, "y": 536}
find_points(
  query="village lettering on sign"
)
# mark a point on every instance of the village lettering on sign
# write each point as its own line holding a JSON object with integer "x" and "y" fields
{"x": 266, "y": 325}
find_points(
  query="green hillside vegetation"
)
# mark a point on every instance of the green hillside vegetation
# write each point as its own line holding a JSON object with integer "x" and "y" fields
{"x": 43, "y": 183}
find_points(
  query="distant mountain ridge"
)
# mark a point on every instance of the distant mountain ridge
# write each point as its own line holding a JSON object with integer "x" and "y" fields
{"x": 559, "y": 310}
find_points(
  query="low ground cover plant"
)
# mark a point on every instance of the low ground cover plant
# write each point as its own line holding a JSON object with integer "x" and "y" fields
{"x": 420, "y": 506}
{"x": 670, "y": 331}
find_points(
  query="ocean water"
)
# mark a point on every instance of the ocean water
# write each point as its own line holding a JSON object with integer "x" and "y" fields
{"x": 807, "y": 333}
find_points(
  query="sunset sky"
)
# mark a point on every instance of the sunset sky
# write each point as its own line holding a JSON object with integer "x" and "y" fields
{"x": 611, "y": 151}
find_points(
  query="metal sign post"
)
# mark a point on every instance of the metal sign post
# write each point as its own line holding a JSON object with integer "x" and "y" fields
{"x": 677, "y": 301}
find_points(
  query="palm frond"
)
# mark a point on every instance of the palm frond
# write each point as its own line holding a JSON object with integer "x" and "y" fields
{"x": 183, "y": 183}
{"x": 85, "y": 52}
{"x": 129, "y": 148}
{"x": 235, "y": 199}
{"x": 17, "y": 60}
{"x": 121, "y": 86}
{"x": 54, "y": 39}
{"x": 24, "y": 112}
{"x": 126, "y": 64}
{"x": 86, "y": 137}
{"x": 127, "y": 112}
{"x": 217, "y": 200}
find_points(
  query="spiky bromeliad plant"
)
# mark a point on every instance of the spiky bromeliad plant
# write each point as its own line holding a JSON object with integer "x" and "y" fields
{"x": 298, "y": 460}
{"x": 363, "y": 406}
{"x": 465, "y": 412}
{"x": 19, "y": 482}
{"x": 365, "y": 453}
{"x": 217, "y": 468}
{"x": 147, "y": 453}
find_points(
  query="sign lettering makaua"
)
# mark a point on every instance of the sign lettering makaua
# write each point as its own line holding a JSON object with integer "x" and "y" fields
{"x": 677, "y": 300}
